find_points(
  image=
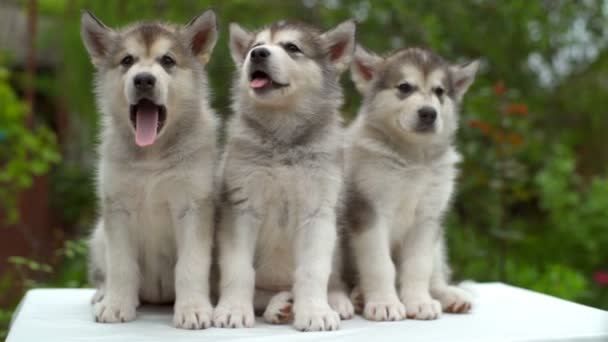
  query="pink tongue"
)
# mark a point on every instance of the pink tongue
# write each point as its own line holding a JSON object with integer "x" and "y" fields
{"x": 259, "y": 82}
{"x": 147, "y": 122}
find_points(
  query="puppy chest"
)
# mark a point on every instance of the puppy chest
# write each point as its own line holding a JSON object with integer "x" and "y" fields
{"x": 406, "y": 196}
{"x": 281, "y": 197}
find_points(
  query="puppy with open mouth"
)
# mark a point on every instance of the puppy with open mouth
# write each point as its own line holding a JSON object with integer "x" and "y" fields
{"x": 157, "y": 162}
{"x": 281, "y": 175}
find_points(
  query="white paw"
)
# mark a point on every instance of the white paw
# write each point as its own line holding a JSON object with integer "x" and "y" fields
{"x": 356, "y": 297}
{"x": 454, "y": 299}
{"x": 315, "y": 317}
{"x": 233, "y": 315}
{"x": 341, "y": 304}
{"x": 109, "y": 310}
{"x": 384, "y": 310}
{"x": 193, "y": 316}
{"x": 279, "y": 308}
{"x": 422, "y": 307}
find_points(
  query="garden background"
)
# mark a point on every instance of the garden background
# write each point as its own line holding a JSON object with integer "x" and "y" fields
{"x": 532, "y": 202}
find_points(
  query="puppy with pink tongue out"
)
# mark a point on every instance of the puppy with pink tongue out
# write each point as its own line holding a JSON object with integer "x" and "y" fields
{"x": 157, "y": 158}
{"x": 147, "y": 123}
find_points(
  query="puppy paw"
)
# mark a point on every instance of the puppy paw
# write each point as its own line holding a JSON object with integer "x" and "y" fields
{"x": 454, "y": 299}
{"x": 422, "y": 307}
{"x": 384, "y": 310}
{"x": 192, "y": 316}
{"x": 356, "y": 297}
{"x": 279, "y": 308}
{"x": 315, "y": 317}
{"x": 340, "y": 303}
{"x": 233, "y": 315}
{"x": 109, "y": 310}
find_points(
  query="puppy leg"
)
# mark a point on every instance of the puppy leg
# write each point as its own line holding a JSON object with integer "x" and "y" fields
{"x": 416, "y": 267}
{"x": 372, "y": 254}
{"x": 193, "y": 223}
{"x": 452, "y": 298}
{"x": 236, "y": 242}
{"x": 120, "y": 299}
{"x": 314, "y": 247}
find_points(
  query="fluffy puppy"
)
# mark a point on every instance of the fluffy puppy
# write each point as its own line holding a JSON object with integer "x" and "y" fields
{"x": 400, "y": 171}
{"x": 281, "y": 176}
{"x": 156, "y": 167}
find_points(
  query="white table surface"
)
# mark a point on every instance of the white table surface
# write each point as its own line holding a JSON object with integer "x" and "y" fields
{"x": 501, "y": 313}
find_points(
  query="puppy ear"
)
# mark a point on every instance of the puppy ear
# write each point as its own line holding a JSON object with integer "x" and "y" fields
{"x": 240, "y": 39}
{"x": 340, "y": 43}
{"x": 201, "y": 34}
{"x": 97, "y": 37}
{"x": 364, "y": 68}
{"x": 463, "y": 76}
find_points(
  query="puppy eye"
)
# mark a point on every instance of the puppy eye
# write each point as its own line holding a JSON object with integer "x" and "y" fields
{"x": 405, "y": 87}
{"x": 167, "y": 62}
{"x": 291, "y": 47}
{"x": 127, "y": 61}
{"x": 439, "y": 91}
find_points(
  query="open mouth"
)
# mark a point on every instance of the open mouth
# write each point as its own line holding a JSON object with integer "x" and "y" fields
{"x": 260, "y": 81}
{"x": 148, "y": 119}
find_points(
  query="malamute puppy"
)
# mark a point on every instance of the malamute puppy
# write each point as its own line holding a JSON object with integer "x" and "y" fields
{"x": 157, "y": 154}
{"x": 401, "y": 166}
{"x": 281, "y": 177}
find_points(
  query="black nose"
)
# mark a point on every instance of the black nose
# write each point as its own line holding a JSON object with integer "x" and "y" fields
{"x": 259, "y": 54}
{"x": 427, "y": 115}
{"x": 144, "y": 81}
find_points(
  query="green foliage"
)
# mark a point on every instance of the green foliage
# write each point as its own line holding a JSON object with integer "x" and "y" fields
{"x": 24, "y": 153}
{"x": 70, "y": 273}
{"x": 74, "y": 204}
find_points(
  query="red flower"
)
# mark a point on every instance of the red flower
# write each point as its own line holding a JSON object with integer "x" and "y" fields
{"x": 520, "y": 109}
{"x": 499, "y": 88}
{"x": 483, "y": 126}
{"x": 601, "y": 278}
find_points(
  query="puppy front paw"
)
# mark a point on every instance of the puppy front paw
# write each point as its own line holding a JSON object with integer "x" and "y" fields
{"x": 279, "y": 308}
{"x": 454, "y": 299}
{"x": 192, "y": 316}
{"x": 384, "y": 310}
{"x": 229, "y": 314}
{"x": 341, "y": 304}
{"x": 110, "y": 310}
{"x": 422, "y": 306}
{"x": 315, "y": 317}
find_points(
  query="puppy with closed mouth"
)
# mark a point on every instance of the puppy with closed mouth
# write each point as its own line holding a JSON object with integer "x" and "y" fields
{"x": 281, "y": 175}
{"x": 400, "y": 174}
{"x": 156, "y": 168}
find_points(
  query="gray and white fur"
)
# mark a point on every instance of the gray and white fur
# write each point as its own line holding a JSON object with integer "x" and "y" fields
{"x": 156, "y": 168}
{"x": 400, "y": 174}
{"x": 281, "y": 176}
